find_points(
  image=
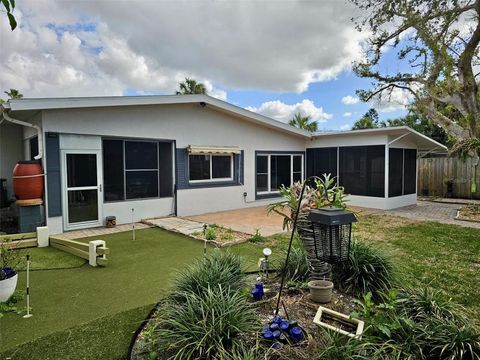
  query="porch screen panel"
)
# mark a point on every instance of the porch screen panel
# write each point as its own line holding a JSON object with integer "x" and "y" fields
{"x": 322, "y": 161}
{"x": 410, "y": 171}
{"x": 280, "y": 169}
{"x": 166, "y": 169}
{"x": 362, "y": 170}
{"x": 395, "y": 172}
{"x": 113, "y": 172}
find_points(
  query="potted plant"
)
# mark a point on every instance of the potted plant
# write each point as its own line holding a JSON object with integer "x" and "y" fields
{"x": 324, "y": 192}
{"x": 9, "y": 259}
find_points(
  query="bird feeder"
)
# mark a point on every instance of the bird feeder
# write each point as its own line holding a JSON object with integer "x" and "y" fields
{"x": 332, "y": 233}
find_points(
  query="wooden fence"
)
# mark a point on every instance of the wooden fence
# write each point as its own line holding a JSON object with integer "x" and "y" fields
{"x": 434, "y": 174}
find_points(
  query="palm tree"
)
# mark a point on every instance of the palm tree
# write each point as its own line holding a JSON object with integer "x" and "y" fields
{"x": 191, "y": 86}
{"x": 14, "y": 94}
{"x": 303, "y": 122}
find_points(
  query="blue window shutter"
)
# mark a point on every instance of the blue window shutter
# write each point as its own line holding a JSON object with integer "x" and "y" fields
{"x": 54, "y": 188}
{"x": 182, "y": 168}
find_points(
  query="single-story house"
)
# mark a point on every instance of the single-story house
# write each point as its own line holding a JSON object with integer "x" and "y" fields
{"x": 191, "y": 154}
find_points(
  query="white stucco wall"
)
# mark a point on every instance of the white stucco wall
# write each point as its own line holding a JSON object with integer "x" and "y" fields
{"x": 11, "y": 151}
{"x": 187, "y": 125}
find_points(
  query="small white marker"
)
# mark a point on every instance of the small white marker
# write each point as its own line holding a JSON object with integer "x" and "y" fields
{"x": 28, "y": 315}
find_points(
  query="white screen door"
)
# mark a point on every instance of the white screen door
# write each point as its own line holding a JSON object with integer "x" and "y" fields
{"x": 82, "y": 185}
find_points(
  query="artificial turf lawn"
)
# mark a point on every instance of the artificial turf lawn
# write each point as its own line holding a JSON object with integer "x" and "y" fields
{"x": 137, "y": 274}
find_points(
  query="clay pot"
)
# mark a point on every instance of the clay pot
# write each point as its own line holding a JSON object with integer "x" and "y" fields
{"x": 28, "y": 180}
{"x": 321, "y": 291}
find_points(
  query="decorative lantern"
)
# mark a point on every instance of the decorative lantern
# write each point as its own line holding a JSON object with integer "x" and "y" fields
{"x": 332, "y": 233}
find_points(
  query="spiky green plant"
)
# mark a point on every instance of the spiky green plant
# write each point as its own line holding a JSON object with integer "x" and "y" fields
{"x": 205, "y": 324}
{"x": 297, "y": 269}
{"x": 219, "y": 268}
{"x": 366, "y": 270}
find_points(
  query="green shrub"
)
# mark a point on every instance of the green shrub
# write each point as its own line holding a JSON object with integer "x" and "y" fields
{"x": 257, "y": 237}
{"x": 219, "y": 268}
{"x": 298, "y": 268}
{"x": 366, "y": 270}
{"x": 206, "y": 324}
{"x": 210, "y": 233}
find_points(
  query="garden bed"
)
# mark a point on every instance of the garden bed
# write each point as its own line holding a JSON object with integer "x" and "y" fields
{"x": 469, "y": 212}
{"x": 299, "y": 308}
{"x": 221, "y": 237}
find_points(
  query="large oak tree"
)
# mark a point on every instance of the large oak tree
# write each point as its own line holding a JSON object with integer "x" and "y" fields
{"x": 436, "y": 43}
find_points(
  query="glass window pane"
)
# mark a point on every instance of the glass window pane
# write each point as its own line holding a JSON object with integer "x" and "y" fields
{"x": 262, "y": 182}
{"x": 81, "y": 170}
{"x": 82, "y": 206}
{"x": 280, "y": 171}
{"x": 221, "y": 167}
{"x": 199, "y": 167}
{"x": 141, "y": 155}
{"x": 297, "y": 176}
{"x": 262, "y": 164}
{"x": 297, "y": 163}
{"x": 141, "y": 184}
{"x": 113, "y": 176}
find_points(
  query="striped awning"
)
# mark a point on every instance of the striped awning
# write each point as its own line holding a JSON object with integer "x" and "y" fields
{"x": 205, "y": 150}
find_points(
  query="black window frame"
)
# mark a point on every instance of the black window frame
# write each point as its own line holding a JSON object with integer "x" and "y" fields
{"x": 162, "y": 191}
{"x": 211, "y": 179}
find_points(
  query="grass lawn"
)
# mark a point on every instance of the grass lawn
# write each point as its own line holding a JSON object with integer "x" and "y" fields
{"x": 84, "y": 312}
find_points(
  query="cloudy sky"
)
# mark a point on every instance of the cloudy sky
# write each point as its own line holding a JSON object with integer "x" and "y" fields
{"x": 273, "y": 57}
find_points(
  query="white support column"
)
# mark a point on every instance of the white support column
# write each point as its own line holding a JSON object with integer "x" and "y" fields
{"x": 387, "y": 162}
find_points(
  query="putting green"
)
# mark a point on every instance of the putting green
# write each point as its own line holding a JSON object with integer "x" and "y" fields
{"x": 137, "y": 274}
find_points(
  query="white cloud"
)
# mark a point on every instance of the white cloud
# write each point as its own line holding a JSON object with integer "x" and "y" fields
{"x": 398, "y": 99}
{"x": 350, "y": 100}
{"x": 157, "y": 44}
{"x": 284, "y": 112}
{"x": 347, "y": 114}
{"x": 345, "y": 127}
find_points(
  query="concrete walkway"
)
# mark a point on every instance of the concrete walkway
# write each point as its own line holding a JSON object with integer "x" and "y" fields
{"x": 177, "y": 224}
{"x": 78, "y": 234}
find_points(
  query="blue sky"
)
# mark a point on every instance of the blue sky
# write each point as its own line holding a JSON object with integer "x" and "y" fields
{"x": 276, "y": 58}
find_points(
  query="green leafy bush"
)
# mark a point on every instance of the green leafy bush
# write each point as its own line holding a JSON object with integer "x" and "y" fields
{"x": 298, "y": 268}
{"x": 257, "y": 237}
{"x": 210, "y": 233}
{"x": 205, "y": 324}
{"x": 219, "y": 268}
{"x": 366, "y": 270}
{"x": 419, "y": 324}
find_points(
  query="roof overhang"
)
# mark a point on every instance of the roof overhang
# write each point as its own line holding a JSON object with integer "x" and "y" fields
{"x": 36, "y": 104}
{"x": 423, "y": 142}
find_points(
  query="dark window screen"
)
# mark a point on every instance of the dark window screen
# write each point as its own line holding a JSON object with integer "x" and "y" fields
{"x": 322, "y": 161}
{"x": 221, "y": 167}
{"x": 279, "y": 171}
{"x": 166, "y": 169}
{"x": 113, "y": 173}
{"x": 141, "y": 155}
{"x": 395, "y": 172}
{"x": 262, "y": 173}
{"x": 410, "y": 171}
{"x": 199, "y": 167}
{"x": 362, "y": 170}
{"x": 81, "y": 170}
{"x": 141, "y": 184}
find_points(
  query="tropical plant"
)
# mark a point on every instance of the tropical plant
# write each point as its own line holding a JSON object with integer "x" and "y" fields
{"x": 368, "y": 121}
{"x": 210, "y": 233}
{"x": 12, "y": 94}
{"x": 366, "y": 270}
{"x": 297, "y": 269}
{"x": 218, "y": 268}
{"x": 190, "y": 86}
{"x": 324, "y": 192}
{"x": 10, "y": 258}
{"x": 257, "y": 237}
{"x": 205, "y": 324}
{"x": 303, "y": 122}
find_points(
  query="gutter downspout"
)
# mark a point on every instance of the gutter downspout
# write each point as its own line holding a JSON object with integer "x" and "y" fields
{"x": 36, "y": 127}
